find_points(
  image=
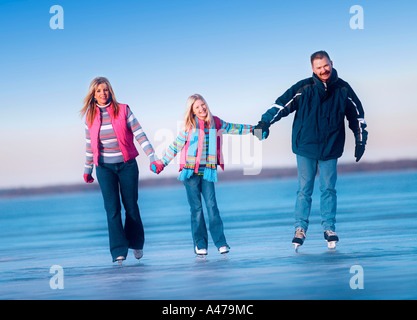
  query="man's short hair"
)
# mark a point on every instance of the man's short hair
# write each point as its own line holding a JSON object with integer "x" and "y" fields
{"x": 319, "y": 55}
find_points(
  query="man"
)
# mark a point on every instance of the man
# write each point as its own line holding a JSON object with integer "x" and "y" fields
{"x": 321, "y": 103}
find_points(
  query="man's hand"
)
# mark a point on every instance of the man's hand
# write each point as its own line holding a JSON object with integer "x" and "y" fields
{"x": 261, "y": 130}
{"x": 359, "y": 150}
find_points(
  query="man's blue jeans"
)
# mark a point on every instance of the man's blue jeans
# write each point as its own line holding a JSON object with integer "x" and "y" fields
{"x": 121, "y": 180}
{"x": 195, "y": 187}
{"x": 307, "y": 170}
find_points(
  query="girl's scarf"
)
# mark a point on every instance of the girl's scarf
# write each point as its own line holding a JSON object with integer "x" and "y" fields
{"x": 195, "y": 139}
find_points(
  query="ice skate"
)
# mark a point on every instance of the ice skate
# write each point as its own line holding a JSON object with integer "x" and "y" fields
{"x": 138, "y": 253}
{"x": 201, "y": 253}
{"x": 223, "y": 250}
{"x": 120, "y": 260}
{"x": 331, "y": 238}
{"x": 299, "y": 238}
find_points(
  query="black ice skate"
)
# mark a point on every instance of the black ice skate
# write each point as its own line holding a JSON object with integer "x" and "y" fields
{"x": 331, "y": 238}
{"x": 299, "y": 238}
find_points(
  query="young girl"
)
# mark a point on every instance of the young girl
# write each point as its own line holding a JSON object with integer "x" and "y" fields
{"x": 200, "y": 143}
{"x": 109, "y": 131}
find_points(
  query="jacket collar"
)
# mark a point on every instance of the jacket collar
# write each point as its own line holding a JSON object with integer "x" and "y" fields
{"x": 333, "y": 78}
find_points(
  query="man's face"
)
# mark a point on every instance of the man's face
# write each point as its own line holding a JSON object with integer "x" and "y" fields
{"x": 323, "y": 68}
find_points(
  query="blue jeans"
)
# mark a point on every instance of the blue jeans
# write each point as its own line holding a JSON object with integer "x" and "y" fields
{"x": 121, "y": 180}
{"x": 195, "y": 187}
{"x": 307, "y": 170}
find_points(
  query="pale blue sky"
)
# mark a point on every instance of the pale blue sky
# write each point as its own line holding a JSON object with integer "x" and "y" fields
{"x": 240, "y": 55}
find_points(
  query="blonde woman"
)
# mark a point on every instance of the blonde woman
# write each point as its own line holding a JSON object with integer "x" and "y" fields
{"x": 109, "y": 131}
{"x": 200, "y": 145}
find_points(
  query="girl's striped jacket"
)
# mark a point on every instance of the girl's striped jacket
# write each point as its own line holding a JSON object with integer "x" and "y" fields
{"x": 221, "y": 126}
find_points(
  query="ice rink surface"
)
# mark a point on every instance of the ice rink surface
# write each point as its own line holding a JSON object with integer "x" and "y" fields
{"x": 376, "y": 257}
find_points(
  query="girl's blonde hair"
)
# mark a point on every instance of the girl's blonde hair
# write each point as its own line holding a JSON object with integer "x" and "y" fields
{"x": 89, "y": 108}
{"x": 189, "y": 116}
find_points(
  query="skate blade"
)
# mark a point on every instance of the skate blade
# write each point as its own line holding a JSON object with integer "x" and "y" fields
{"x": 331, "y": 245}
{"x": 201, "y": 256}
{"x": 296, "y": 246}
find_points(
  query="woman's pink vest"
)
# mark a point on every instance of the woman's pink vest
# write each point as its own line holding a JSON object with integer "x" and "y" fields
{"x": 123, "y": 134}
{"x": 219, "y": 144}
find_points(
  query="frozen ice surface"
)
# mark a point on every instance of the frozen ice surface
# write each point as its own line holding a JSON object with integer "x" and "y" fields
{"x": 376, "y": 224}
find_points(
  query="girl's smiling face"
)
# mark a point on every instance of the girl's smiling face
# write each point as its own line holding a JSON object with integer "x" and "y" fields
{"x": 200, "y": 109}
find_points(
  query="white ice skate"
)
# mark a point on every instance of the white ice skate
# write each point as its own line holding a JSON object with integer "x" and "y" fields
{"x": 120, "y": 260}
{"x": 331, "y": 238}
{"x": 201, "y": 253}
{"x": 223, "y": 250}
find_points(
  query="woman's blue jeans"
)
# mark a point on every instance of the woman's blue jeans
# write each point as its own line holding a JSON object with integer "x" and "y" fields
{"x": 120, "y": 180}
{"x": 195, "y": 187}
{"x": 307, "y": 170}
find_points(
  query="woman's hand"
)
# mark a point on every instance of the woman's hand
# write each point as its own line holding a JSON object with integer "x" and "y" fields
{"x": 88, "y": 178}
{"x": 157, "y": 166}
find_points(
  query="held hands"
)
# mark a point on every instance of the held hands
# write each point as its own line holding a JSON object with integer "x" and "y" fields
{"x": 157, "y": 166}
{"x": 88, "y": 178}
{"x": 261, "y": 130}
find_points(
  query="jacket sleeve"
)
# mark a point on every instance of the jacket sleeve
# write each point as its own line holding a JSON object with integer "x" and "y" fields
{"x": 285, "y": 104}
{"x": 140, "y": 135}
{"x": 356, "y": 117}
{"x": 234, "y": 128}
{"x": 88, "y": 167}
{"x": 175, "y": 147}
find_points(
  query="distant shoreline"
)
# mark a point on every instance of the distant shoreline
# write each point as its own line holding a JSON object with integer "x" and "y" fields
{"x": 232, "y": 175}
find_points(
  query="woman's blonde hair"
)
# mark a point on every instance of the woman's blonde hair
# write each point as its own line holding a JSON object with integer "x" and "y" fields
{"x": 189, "y": 116}
{"x": 89, "y": 108}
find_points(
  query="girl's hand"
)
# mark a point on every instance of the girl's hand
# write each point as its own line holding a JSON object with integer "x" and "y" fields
{"x": 157, "y": 166}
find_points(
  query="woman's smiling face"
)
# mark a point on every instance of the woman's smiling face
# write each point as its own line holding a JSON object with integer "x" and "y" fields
{"x": 102, "y": 94}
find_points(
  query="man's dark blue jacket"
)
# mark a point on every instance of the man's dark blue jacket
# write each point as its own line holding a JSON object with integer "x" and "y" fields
{"x": 319, "y": 127}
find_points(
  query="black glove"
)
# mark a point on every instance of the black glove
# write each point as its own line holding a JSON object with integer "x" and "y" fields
{"x": 359, "y": 150}
{"x": 261, "y": 130}
{"x": 360, "y": 142}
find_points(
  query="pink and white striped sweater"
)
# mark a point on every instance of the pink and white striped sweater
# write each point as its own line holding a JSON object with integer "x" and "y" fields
{"x": 109, "y": 147}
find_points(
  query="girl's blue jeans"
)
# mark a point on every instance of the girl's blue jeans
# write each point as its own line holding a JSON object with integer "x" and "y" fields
{"x": 196, "y": 187}
{"x": 120, "y": 180}
{"x": 307, "y": 170}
